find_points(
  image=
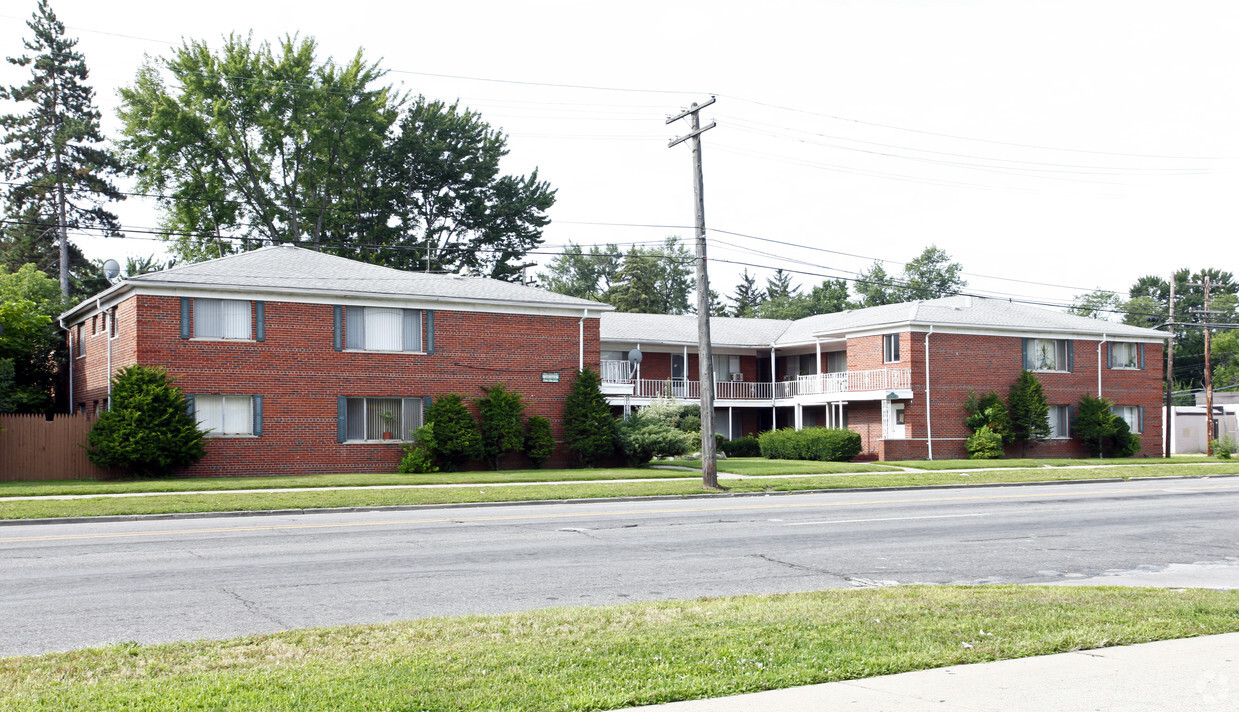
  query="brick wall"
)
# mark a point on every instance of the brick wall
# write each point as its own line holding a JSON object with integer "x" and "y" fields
{"x": 300, "y": 376}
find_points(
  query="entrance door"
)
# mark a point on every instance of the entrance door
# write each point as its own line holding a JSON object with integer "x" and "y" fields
{"x": 895, "y": 428}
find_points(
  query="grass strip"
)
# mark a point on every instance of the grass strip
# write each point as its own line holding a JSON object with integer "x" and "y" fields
{"x": 277, "y": 500}
{"x": 1048, "y": 462}
{"x": 614, "y": 656}
{"x": 193, "y": 484}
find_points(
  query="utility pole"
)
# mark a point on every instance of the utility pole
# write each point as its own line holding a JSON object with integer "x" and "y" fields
{"x": 705, "y": 360}
{"x": 1168, "y": 425}
{"x": 1210, "y": 434}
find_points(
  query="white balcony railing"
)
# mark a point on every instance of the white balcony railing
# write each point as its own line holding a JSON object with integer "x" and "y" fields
{"x": 878, "y": 379}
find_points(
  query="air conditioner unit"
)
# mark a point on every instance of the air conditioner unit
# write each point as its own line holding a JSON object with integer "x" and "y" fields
{"x": 737, "y": 377}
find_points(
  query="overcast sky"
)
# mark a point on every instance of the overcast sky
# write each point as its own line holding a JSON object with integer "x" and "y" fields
{"x": 1051, "y": 147}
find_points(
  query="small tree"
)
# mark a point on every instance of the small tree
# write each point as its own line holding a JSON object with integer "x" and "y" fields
{"x": 149, "y": 428}
{"x": 989, "y": 410}
{"x": 1029, "y": 411}
{"x": 589, "y": 428}
{"x": 456, "y": 435}
{"x": 499, "y": 419}
{"x": 1103, "y": 432}
{"x": 539, "y": 441}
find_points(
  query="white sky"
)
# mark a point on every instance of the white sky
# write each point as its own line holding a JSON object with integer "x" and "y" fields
{"x": 1127, "y": 112}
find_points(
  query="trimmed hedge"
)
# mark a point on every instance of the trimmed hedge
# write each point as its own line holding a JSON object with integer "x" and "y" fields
{"x": 741, "y": 447}
{"x": 825, "y": 444}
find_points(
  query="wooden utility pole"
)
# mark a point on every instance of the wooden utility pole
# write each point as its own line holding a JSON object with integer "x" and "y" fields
{"x": 705, "y": 360}
{"x": 1210, "y": 435}
{"x": 1168, "y": 425}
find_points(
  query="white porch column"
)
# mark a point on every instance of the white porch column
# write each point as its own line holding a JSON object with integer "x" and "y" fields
{"x": 799, "y": 417}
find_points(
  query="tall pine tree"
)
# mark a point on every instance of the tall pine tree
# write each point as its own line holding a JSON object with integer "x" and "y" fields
{"x": 53, "y": 153}
{"x": 1028, "y": 411}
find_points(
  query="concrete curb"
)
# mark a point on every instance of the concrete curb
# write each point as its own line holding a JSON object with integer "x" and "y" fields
{"x": 517, "y": 503}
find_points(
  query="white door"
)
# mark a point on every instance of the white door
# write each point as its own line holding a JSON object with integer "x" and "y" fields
{"x": 895, "y": 429}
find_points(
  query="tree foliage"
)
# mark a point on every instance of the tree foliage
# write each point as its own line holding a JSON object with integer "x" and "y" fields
{"x": 582, "y": 274}
{"x": 30, "y": 344}
{"x": 930, "y": 275}
{"x": 1097, "y": 304}
{"x": 1103, "y": 432}
{"x": 499, "y": 420}
{"x": 1029, "y": 412}
{"x": 989, "y": 411}
{"x": 655, "y": 280}
{"x": 148, "y": 428}
{"x": 747, "y": 296}
{"x": 1150, "y": 305}
{"x": 589, "y": 428}
{"x": 456, "y": 438}
{"x": 59, "y": 172}
{"x": 539, "y": 440}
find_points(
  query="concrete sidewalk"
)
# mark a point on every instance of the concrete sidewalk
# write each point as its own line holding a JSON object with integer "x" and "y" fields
{"x": 1186, "y": 675}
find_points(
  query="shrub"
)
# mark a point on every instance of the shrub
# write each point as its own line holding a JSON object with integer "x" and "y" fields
{"x": 1102, "y": 432}
{"x": 1029, "y": 411}
{"x": 539, "y": 441}
{"x": 645, "y": 435}
{"x": 418, "y": 456}
{"x": 741, "y": 447}
{"x": 589, "y": 428}
{"x": 824, "y": 444}
{"x": 989, "y": 410}
{"x": 984, "y": 444}
{"x": 456, "y": 435}
{"x": 149, "y": 428}
{"x": 499, "y": 420}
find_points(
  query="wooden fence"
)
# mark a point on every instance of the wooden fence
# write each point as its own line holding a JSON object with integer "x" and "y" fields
{"x": 35, "y": 448}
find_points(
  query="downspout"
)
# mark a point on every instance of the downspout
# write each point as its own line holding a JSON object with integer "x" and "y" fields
{"x": 929, "y": 426}
{"x": 1099, "y": 343}
{"x": 70, "y": 333}
{"x": 774, "y": 383}
{"x": 581, "y": 328}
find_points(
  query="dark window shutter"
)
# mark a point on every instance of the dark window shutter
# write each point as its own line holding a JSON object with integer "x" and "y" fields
{"x": 426, "y": 402}
{"x": 341, "y": 409}
{"x": 1140, "y": 419}
{"x": 184, "y": 317}
{"x": 1024, "y": 354}
{"x": 1071, "y": 356}
{"x": 1110, "y": 355}
{"x": 1141, "y": 357}
{"x": 1071, "y": 421}
{"x": 412, "y": 330}
{"x": 260, "y": 321}
{"x": 189, "y": 404}
{"x": 430, "y": 331}
{"x": 337, "y": 327}
{"x": 258, "y": 415}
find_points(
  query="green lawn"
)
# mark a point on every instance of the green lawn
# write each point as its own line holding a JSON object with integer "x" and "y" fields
{"x": 656, "y": 485}
{"x": 614, "y": 656}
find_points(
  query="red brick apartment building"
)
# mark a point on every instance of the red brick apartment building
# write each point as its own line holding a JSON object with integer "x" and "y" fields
{"x": 897, "y": 374}
{"x": 300, "y": 362}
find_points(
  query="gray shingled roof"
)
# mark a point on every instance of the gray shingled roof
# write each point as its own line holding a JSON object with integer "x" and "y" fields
{"x": 682, "y": 329}
{"x": 286, "y": 268}
{"x": 960, "y": 312}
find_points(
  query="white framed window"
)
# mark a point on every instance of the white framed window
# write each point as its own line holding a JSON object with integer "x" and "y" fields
{"x": 1125, "y": 354}
{"x": 1060, "y": 421}
{"x": 221, "y": 319}
{"x": 835, "y": 361}
{"x": 364, "y": 419}
{"x": 1130, "y": 413}
{"x": 228, "y": 416}
{"x": 383, "y": 329}
{"x": 890, "y": 348}
{"x": 1047, "y": 354}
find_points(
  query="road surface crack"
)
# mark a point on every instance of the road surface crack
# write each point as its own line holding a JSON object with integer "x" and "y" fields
{"x": 252, "y": 607}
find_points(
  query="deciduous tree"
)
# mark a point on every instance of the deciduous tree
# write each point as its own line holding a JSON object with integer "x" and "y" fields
{"x": 582, "y": 274}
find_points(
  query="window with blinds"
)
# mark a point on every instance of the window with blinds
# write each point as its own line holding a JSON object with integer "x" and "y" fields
{"x": 221, "y": 319}
{"x": 225, "y": 415}
{"x": 383, "y": 329}
{"x": 381, "y": 418}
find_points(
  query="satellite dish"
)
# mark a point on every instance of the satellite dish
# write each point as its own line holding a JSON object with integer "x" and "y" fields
{"x": 111, "y": 269}
{"x": 634, "y": 357}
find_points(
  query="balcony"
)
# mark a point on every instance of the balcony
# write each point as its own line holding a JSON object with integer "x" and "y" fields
{"x": 615, "y": 382}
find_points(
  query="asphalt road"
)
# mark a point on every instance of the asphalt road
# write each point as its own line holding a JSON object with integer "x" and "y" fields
{"x": 67, "y": 586}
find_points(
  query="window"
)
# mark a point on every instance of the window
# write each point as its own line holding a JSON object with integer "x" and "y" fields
{"x": 224, "y": 416}
{"x": 115, "y": 329}
{"x": 836, "y": 361}
{"x": 890, "y": 348}
{"x": 379, "y": 418}
{"x": 221, "y": 319}
{"x": 380, "y": 329}
{"x": 80, "y": 346}
{"x": 725, "y": 366}
{"x": 1047, "y": 354}
{"x": 1060, "y": 421}
{"x": 1133, "y": 414}
{"x": 1125, "y": 354}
